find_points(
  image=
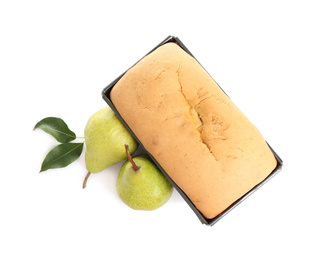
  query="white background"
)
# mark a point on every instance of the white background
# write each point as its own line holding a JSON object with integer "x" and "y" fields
{"x": 55, "y": 59}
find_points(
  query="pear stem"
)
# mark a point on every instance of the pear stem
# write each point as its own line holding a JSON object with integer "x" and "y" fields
{"x": 135, "y": 167}
{"x": 85, "y": 180}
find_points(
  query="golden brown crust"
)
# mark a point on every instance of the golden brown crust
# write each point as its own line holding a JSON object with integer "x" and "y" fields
{"x": 195, "y": 132}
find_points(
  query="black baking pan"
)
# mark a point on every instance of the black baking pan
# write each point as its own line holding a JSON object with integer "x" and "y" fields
{"x": 204, "y": 220}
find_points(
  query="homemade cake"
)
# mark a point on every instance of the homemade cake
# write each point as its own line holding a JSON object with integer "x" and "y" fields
{"x": 194, "y": 131}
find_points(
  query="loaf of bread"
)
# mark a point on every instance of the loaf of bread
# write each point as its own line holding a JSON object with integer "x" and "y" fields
{"x": 194, "y": 131}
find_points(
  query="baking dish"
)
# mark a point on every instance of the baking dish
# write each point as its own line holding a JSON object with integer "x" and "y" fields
{"x": 106, "y": 97}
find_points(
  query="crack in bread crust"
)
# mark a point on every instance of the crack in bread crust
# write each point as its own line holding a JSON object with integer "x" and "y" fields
{"x": 194, "y": 108}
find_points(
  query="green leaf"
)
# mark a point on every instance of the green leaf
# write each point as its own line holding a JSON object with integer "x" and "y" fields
{"x": 57, "y": 128}
{"x": 62, "y": 155}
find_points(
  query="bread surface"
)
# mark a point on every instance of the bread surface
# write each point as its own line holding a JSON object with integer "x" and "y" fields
{"x": 195, "y": 132}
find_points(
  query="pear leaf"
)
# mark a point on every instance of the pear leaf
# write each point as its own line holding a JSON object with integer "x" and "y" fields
{"x": 62, "y": 155}
{"x": 57, "y": 128}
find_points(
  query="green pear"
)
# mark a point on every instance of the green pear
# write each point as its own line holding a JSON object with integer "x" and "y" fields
{"x": 105, "y": 137}
{"x": 141, "y": 185}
